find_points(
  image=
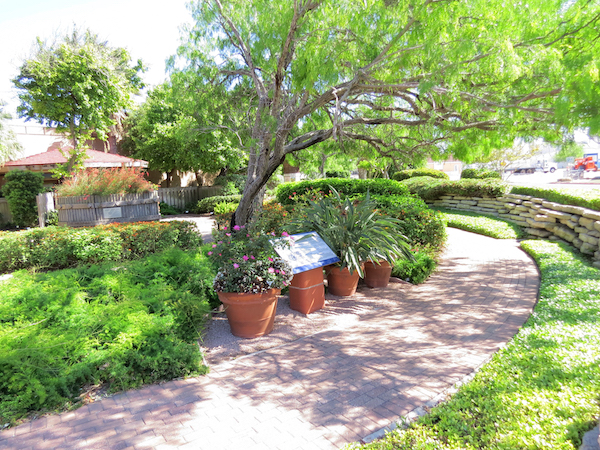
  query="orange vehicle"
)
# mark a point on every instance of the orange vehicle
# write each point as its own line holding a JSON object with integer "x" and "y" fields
{"x": 589, "y": 163}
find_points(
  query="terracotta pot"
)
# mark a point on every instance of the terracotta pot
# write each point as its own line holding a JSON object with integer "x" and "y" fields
{"x": 250, "y": 315}
{"x": 340, "y": 282}
{"x": 377, "y": 275}
{"x": 307, "y": 292}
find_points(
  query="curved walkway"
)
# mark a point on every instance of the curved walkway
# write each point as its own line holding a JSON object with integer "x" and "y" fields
{"x": 328, "y": 389}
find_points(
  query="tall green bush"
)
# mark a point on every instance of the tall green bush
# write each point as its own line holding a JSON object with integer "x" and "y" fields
{"x": 207, "y": 205}
{"x": 20, "y": 189}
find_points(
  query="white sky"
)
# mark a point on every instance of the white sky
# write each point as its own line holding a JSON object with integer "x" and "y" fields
{"x": 148, "y": 29}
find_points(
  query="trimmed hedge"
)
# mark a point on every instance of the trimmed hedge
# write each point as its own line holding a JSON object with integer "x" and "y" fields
{"x": 566, "y": 198}
{"x": 422, "y": 226}
{"x": 207, "y": 205}
{"x": 21, "y": 189}
{"x": 479, "y": 174}
{"x": 61, "y": 247}
{"x": 290, "y": 193}
{"x": 413, "y": 173}
{"x": 431, "y": 189}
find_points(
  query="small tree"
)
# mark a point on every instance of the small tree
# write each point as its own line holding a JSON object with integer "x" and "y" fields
{"x": 77, "y": 85}
{"x": 20, "y": 191}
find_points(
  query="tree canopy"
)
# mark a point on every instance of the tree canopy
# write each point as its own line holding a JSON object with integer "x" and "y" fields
{"x": 170, "y": 132}
{"x": 401, "y": 76}
{"x": 77, "y": 84}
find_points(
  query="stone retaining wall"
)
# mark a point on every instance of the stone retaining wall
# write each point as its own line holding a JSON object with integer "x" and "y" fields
{"x": 576, "y": 225}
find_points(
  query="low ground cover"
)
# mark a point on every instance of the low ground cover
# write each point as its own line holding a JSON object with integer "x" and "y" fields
{"x": 540, "y": 392}
{"x": 117, "y": 325}
{"x": 482, "y": 224}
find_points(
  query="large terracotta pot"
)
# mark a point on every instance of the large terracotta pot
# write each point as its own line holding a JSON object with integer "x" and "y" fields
{"x": 307, "y": 293}
{"x": 250, "y": 315}
{"x": 340, "y": 282}
{"x": 377, "y": 275}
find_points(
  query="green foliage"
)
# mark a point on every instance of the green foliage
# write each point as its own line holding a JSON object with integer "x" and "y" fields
{"x": 58, "y": 247}
{"x": 354, "y": 230}
{"x": 124, "y": 326}
{"x": 411, "y": 173}
{"x": 417, "y": 270}
{"x": 337, "y": 174}
{"x": 422, "y": 227}
{"x": 290, "y": 193}
{"x": 117, "y": 180}
{"x": 431, "y": 189}
{"x": 21, "y": 189}
{"x": 569, "y": 148}
{"x": 541, "y": 390}
{"x": 77, "y": 85}
{"x": 168, "y": 210}
{"x": 584, "y": 198}
{"x": 483, "y": 224}
{"x": 208, "y": 204}
{"x": 169, "y": 132}
{"x": 225, "y": 208}
{"x": 479, "y": 174}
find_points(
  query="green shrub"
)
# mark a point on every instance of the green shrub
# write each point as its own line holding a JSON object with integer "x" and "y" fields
{"x": 225, "y": 207}
{"x": 60, "y": 247}
{"x": 586, "y": 199}
{"x": 168, "y": 210}
{"x": 122, "y": 326}
{"x": 422, "y": 226}
{"x": 479, "y": 174}
{"x": 291, "y": 193}
{"x": 416, "y": 271}
{"x": 21, "y": 189}
{"x": 337, "y": 174}
{"x": 425, "y": 172}
{"x": 207, "y": 205}
{"x": 232, "y": 182}
{"x": 432, "y": 189}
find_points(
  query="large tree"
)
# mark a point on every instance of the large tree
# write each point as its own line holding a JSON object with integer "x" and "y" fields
{"x": 77, "y": 84}
{"x": 402, "y": 76}
{"x": 169, "y": 131}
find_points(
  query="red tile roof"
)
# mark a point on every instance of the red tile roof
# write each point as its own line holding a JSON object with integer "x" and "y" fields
{"x": 95, "y": 159}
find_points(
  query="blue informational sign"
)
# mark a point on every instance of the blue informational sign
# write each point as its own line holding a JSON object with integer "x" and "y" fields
{"x": 306, "y": 251}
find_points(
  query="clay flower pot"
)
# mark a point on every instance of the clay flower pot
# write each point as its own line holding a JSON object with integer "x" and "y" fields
{"x": 340, "y": 282}
{"x": 250, "y": 315}
{"x": 377, "y": 275}
{"x": 307, "y": 293}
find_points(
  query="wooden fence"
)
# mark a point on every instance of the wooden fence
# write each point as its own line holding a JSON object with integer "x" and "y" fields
{"x": 91, "y": 210}
{"x": 179, "y": 197}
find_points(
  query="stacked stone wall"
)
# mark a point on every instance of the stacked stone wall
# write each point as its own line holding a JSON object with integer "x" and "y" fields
{"x": 578, "y": 226}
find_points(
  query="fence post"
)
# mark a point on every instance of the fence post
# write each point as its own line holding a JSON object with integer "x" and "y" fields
{"x": 45, "y": 204}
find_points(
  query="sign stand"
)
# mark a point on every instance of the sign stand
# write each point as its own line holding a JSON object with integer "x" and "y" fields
{"x": 307, "y": 254}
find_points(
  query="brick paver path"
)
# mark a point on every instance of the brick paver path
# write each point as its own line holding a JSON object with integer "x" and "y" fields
{"x": 328, "y": 389}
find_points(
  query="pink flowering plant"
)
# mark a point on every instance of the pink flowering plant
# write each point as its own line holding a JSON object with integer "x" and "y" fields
{"x": 247, "y": 261}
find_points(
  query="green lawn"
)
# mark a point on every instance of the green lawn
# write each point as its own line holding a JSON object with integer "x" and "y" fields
{"x": 540, "y": 392}
{"x": 482, "y": 224}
